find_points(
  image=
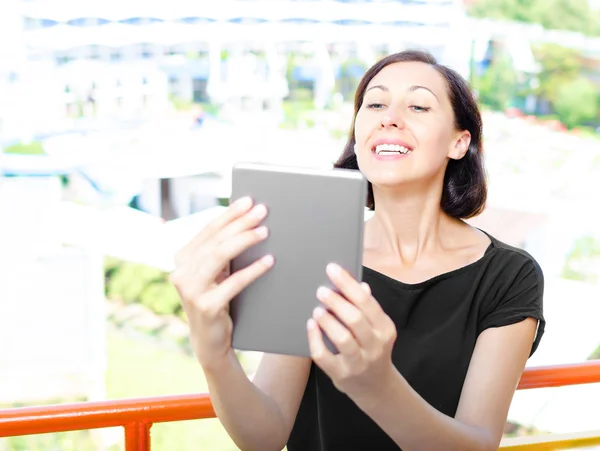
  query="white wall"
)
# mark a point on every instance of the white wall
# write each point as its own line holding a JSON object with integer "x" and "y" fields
{"x": 52, "y": 321}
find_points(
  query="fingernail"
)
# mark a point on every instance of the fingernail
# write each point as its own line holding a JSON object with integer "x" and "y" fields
{"x": 262, "y": 231}
{"x": 243, "y": 202}
{"x": 311, "y": 324}
{"x": 259, "y": 212}
{"x": 322, "y": 293}
{"x": 365, "y": 286}
{"x": 268, "y": 260}
{"x": 333, "y": 269}
{"x": 318, "y": 312}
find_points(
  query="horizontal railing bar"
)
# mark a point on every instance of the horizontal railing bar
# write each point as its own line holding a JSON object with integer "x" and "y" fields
{"x": 93, "y": 415}
{"x": 102, "y": 414}
{"x": 561, "y": 375}
{"x": 552, "y": 442}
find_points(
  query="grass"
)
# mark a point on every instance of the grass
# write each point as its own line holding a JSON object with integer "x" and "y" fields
{"x": 139, "y": 366}
{"x": 33, "y": 148}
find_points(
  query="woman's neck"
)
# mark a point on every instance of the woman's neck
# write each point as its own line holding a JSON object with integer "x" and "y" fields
{"x": 408, "y": 224}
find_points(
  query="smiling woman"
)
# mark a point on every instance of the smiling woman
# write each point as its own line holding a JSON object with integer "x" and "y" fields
{"x": 433, "y": 341}
{"x": 465, "y": 190}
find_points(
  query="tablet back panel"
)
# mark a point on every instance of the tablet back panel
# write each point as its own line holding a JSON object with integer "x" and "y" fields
{"x": 315, "y": 217}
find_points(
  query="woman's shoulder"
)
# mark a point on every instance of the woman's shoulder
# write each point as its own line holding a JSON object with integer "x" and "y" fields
{"x": 513, "y": 259}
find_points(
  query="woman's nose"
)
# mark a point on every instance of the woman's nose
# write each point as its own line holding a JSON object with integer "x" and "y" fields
{"x": 391, "y": 120}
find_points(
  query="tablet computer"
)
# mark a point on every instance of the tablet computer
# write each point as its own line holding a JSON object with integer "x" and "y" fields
{"x": 316, "y": 217}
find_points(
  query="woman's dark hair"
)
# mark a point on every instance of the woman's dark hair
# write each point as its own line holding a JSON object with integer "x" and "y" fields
{"x": 465, "y": 187}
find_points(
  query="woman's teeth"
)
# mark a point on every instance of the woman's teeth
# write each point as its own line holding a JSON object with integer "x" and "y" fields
{"x": 391, "y": 148}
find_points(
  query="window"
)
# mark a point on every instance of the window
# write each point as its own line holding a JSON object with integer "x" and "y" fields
{"x": 30, "y": 23}
{"x": 146, "y": 51}
{"x": 94, "y": 52}
{"x": 63, "y": 59}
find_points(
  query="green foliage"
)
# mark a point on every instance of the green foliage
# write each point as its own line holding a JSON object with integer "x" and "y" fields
{"x": 33, "y": 148}
{"x": 129, "y": 281}
{"x": 210, "y": 108}
{"x": 517, "y": 10}
{"x": 162, "y": 298}
{"x": 571, "y": 15}
{"x": 297, "y": 111}
{"x": 577, "y": 102}
{"x": 133, "y": 282}
{"x": 559, "y": 65}
{"x": 497, "y": 86}
{"x": 188, "y": 105}
{"x": 179, "y": 104}
{"x": 580, "y": 262}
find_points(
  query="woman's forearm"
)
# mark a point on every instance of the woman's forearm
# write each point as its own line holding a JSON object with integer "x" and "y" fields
{"x": 417, "y": 426}
{"x": 251, "y": 418}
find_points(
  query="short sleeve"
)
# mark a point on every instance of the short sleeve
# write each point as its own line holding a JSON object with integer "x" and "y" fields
{"x": 521, "y": 297}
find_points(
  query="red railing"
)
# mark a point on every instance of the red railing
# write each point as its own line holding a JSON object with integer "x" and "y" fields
{"x": 138, "y": 415}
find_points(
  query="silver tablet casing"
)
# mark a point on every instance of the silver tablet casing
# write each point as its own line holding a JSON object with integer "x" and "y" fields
{"x": 316, "y": 216}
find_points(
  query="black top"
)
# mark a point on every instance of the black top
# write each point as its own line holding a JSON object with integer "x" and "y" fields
{"x": 438, "y": 322}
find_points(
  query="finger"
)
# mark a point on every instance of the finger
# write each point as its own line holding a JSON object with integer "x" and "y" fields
{"x": 365, "y": 286}
{"x": 234, "y": 211}
{"x": 355, "y": 292}
{"x": 224, "y": 274}
{"x": 211, "y": 264}
{"x": 245, "y": 222}
{"x": 218, "y": 298}
{"x": 234, "y": 284}
{"x": 339, "y": 335}
{"x": 320, "y": 354}
{"x": 349, "y": 315}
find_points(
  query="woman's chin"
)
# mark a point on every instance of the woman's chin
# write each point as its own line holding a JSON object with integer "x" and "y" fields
{"x": 390, "y": 180}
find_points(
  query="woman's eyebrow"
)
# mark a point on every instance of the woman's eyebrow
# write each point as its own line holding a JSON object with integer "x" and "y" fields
{"x": 383, "y": 88}
{"x": 412, "y": 88}
{"x": 416, "y": 87}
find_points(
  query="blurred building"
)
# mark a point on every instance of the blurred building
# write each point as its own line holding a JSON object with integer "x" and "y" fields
{"x": 129, "y": 89}
{"x": 210, "y": 49}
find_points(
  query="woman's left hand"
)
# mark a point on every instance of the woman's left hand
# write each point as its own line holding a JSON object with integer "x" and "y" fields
{"x": 360, "y": 330}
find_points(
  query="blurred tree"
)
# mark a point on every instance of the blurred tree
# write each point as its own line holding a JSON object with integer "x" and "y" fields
{"x": 573, "y": 15}
{"x": 496, "y": 88}
{"x": 559, "y": 65}
{"x": 576, "y": 102}
{"x": 584, "y": 260}
{"x": 518, "y": 10}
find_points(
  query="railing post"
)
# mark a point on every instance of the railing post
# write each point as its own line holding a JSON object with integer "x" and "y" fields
{"x": 137, "y": 436}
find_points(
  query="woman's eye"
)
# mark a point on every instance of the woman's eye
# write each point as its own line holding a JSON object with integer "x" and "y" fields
{"x": 419, "y": 109}
{"x": 375, "y": 106}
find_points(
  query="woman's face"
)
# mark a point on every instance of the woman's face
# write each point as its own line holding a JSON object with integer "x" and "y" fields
{"x": 404, "y": 129}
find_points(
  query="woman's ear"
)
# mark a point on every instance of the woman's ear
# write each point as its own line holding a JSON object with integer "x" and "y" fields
{"x": 460, "y": 145}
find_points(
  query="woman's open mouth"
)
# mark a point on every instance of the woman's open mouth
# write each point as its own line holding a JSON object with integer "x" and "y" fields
{"x": 387, "y": 151}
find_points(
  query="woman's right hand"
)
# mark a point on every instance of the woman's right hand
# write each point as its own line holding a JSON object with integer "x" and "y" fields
{"x": 202, "y": 277}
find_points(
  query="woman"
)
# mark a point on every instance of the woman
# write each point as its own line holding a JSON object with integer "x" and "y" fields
{"x": 435, "y": 338}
